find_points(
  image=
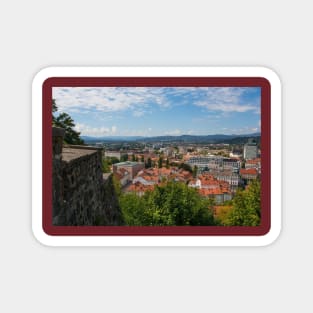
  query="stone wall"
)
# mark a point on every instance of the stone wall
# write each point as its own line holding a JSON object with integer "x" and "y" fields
{"x": 80, "y": 194}
{"x": 57, "y": 180}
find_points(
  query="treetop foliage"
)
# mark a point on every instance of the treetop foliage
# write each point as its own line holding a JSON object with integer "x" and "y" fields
{"x": 246, "y": 209}
{"x": 172, "y": 204}
{"x": 65, "y": 121}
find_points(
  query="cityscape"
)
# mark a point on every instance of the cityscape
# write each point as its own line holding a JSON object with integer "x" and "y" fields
{"x": 158, "y": 175}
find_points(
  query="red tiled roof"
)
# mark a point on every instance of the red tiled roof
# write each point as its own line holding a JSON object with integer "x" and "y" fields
{"x": 253, "y": 161}
{"x": 138, "y": 187}
{"x": 155, "y": 174}
{"x": 120, "y": 173}
{"x": 248, "y": 171}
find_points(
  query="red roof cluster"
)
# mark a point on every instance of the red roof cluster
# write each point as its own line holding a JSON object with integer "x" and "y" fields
{"x": 138, "y": 187}
{"x": 211, "y": 185}
{"x": 254, "y": 161}
{"x": 157, "y": 176}
{"x": 120, "y": 173}
{"x": 248, "y": 171}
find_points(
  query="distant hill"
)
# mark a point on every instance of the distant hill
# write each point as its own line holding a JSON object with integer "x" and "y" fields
{"x": 111, "y": 138}
{"x": 182, "y": 138}
{"x": 242, "y": 140}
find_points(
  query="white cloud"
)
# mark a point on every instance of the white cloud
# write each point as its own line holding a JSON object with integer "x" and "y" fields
{"x": 226, "y": 99}
{"x": 108, "y": 99}
{"x": 225, "y": 107}
{"x": 190, "y": 132}
{"x": 87, "y": 130}
{"x": 139, "y": 99}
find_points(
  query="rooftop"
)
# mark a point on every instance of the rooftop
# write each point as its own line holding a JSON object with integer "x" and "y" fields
{"x": 127, "y": 163}
{"x": 253, "y": 161}
{"x": 250, "y": 171}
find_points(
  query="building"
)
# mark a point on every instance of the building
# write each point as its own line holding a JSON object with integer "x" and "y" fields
{"x": 154, "y": 176}
{"x": 250, "y": 150}
{"x": 147, "y": 179}
{"x": 182, "y": 149}
{"x": 231, "y": 164}
{"x": 212, "y": 188}
{"x": 236, "y": 154}
{"x": 139, "y": 189}
{"x": 249, "y": 174}
{"x": 229, "y": 176}
{"x": 114, "y": 154}
{"x": 123, "y": 176}
{"x": 133, "y": 168}
{"x": 214, "y": 163}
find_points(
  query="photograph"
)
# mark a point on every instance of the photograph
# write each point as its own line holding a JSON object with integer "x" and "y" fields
{"x": 139, "y": 157}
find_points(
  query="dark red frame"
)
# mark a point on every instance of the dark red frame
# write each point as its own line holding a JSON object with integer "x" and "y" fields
{"x": 265, "y": 224}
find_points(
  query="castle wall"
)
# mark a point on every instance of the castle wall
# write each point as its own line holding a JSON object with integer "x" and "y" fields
{"x": 57, "y": 179}
{"x": 80, "y": 194}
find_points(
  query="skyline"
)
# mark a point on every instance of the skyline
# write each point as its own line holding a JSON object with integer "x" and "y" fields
{"x": 158, "y": 111}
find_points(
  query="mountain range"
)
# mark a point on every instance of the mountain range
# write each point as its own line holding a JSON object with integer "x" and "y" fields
{"x": 182, "y": 138}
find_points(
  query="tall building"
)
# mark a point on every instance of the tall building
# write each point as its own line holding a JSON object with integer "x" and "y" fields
{"x": 250, "y": 150}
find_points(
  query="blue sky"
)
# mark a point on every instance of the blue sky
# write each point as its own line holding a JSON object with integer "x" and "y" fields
{"x": 155, "y": 111}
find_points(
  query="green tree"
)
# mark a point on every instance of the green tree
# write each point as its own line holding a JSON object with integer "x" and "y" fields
{"x": 117, "y": 186}
{"x": 113, "y": 160}
{"x": 142, "y": 159}
{"x": 65, "y": 121}
{"x": 167, "y": 163}
{"x": 124, "y": 157}
{"x": 168, "y": 205}
{"x": 160, "y": 162}
{"x": 195, "y": 171}
{"x": 186, "y": 167}
{"x": 253, "y": 197}
{"x": 105, "y": 165}
{"x": 54, "y": 109}
{"x": 246, "y": 209}
{"x": 148, "y": 163}
{"x": 134, "y": 210}
{"x": 107, "y": 162}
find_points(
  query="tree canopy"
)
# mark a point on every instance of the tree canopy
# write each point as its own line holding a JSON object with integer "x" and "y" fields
{"x": 168, "y": 205}
{"x": 148, "y": 164}
{"x": 107, "y": 162}
{"x": 65, "y": 121}
{"x": 160, "y": 162}
{"x": 246, "y": 209}
{"x": 186, "y": 167}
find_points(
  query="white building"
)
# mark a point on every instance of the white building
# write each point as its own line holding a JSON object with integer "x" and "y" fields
{"x": 115, "y": 154}
{"x": 214, "y": 163}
